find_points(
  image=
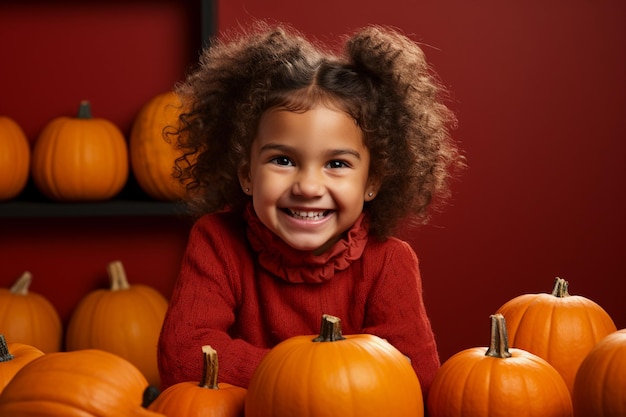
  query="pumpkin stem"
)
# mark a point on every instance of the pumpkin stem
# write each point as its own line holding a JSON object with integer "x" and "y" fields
{"x": 560, "y": 288}
{"x": 117, "y": 276}
{"x": 5, "y": 355}
{"x": 330, "y": 329}
{"x": 84, "y": 110}
{"x": 499, "y": 346}
{"x": 150, "y": 394}
{"x": 209, "y": 373}
{"x": 21, "y": 285}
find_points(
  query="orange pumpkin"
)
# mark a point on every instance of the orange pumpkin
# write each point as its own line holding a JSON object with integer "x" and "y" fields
{"x": 204, "y": 399}
{"x": 334, "y": 375}
{"x": 559, "y": 327}
{"x": 14, "y": 158}
{"x": 80, "y": 158}
{"x": 152, "y": 154}
{"x": 85, "y": 383}
{"x": 498, "y": 382}
{"x": 14, "y": 356}
{"x": 125, "y": 320}
{"x": 600, "y": 384}
{"x": 28, "y": 317}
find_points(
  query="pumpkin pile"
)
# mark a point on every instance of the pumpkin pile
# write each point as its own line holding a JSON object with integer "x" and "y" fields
{"x": 87, "y": 159}
{"x": 550, "y": 355}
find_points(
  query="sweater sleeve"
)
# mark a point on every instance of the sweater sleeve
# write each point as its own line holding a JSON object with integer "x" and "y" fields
{"x": 396, "y": 311}
{"x": 202, "y": 309}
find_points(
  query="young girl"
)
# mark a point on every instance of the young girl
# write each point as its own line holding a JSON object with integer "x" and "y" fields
{"x": 304, "y": 161}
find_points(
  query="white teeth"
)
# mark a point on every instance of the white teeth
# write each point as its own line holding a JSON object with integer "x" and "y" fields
{"x": 309, "y": 215}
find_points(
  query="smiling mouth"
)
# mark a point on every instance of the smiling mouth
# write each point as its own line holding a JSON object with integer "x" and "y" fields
{"x": 308, "y": 215}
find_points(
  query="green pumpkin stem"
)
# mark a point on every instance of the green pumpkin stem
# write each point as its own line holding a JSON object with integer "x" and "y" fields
{"x": 117, "y": 276}
{"x": 499, "y": 346}
{"x": 84, "y": 110}
{"x": 5, "y": 355}
{"x": 211, "y": 367}
{"x": 560, "y": 288}
{"x": 330, "y": 329}
{"x": 22, "y": 284}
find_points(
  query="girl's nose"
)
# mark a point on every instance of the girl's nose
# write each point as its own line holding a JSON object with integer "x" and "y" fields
{"x": 308, "y": 184}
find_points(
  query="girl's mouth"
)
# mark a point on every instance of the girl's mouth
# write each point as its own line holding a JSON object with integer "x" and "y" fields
{"x": 308, "y": 214}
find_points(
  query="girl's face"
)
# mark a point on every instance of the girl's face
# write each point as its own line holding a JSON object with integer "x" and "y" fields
{"x": 308, "y": 175}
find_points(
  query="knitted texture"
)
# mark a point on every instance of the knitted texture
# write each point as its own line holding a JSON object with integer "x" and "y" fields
{"x": 242, "y": 290}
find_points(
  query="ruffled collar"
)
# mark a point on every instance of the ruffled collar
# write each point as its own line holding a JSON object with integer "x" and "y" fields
{"x": 298, "y": 266}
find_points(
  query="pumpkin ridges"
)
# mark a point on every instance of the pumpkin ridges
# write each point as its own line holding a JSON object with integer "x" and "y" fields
{"x": 152, "y": 157}
{"x": 601, "y": 378}
{"x": 99, "y": 321}
{"x": 80, "y": 159}
{"x": 28, "y": 317}
{"x": 474, "y": 384}
{"x": 310, "y": 377}
{"x": 15, "y": 157}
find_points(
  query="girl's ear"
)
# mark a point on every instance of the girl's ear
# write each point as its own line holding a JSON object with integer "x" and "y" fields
{"x": 371, "y": 190}
{"x": 244, "y": 178}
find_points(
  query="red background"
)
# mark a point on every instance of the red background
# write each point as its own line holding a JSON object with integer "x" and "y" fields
{"x": 539, "y": 89}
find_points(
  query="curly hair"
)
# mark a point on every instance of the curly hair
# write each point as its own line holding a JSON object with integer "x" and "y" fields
{"x": 379, "y": 77}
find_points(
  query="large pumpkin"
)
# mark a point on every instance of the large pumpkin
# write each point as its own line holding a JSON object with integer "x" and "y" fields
{"x": 357, "y": 375}
{"x": 13, "y": 357}
{"x": 498, "y": 382}
{"x": 152, "y": 151}
{"x": 14, "y": 158}
{"x": 600, "y": 384}
{"x": 28, "y": 317}
{"x": 559, "y": 327}
{"x": 85, "y": 383}
{"x": 204, "y": 399}
{"x": 124, "y": 319}
{"x": 80, "y": 158}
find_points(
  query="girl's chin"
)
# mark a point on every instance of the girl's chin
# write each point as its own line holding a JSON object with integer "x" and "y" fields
{"x": 317, "y": 247}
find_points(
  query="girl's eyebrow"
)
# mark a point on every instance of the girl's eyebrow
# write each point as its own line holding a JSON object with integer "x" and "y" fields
{"x": 330, "y": 153}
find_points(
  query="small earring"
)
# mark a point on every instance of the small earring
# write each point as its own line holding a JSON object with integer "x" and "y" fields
{"x": 247, "y": 190}
{"x": 370, "y": 194}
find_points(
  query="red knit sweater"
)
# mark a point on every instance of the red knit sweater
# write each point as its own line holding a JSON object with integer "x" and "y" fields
{"x": 243, "y": 290}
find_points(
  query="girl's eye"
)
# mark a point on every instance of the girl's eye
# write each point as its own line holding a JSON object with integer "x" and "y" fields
{"x": 281, "y": 160}
{"x": 338, "y": 164}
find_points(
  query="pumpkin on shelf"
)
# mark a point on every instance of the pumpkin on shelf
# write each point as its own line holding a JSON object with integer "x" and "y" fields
{"x": 125, "y": 320}
{"x": 80, "y": 158}
{"x": 84, "y": 383}
{"x": 356, "y": 375}
{"x": 600, "y": 384}
{"x": 152, "y": 152}
{"x": 28, "y": 317}
{"x": 559, "y": 327}
{"x": 14, "y": 158}
{"x": 204, "y": 399}
{"x": 498, "y": 382}
{"x": 13, "y": 357}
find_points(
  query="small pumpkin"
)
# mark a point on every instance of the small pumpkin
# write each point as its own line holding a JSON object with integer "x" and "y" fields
{"x": 30, "y": 318}
{"x": 498, "y": 382}
{"x": 13, "y": 357}
{"x": 14, "y": 158}
{"x": 80, "y": 158}
{"x": 334, "y": 375}
{"x": 204, "y": 399}
{"x": 84, "y": 383}
{"x": 152, "y": 152}
{"x": 125, "y": 320}
{"x": 600, "y": 384}
{"x": 559, "y": 327}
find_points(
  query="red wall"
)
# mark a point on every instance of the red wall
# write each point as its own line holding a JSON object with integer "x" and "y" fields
{"x": 539, "y": 90}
